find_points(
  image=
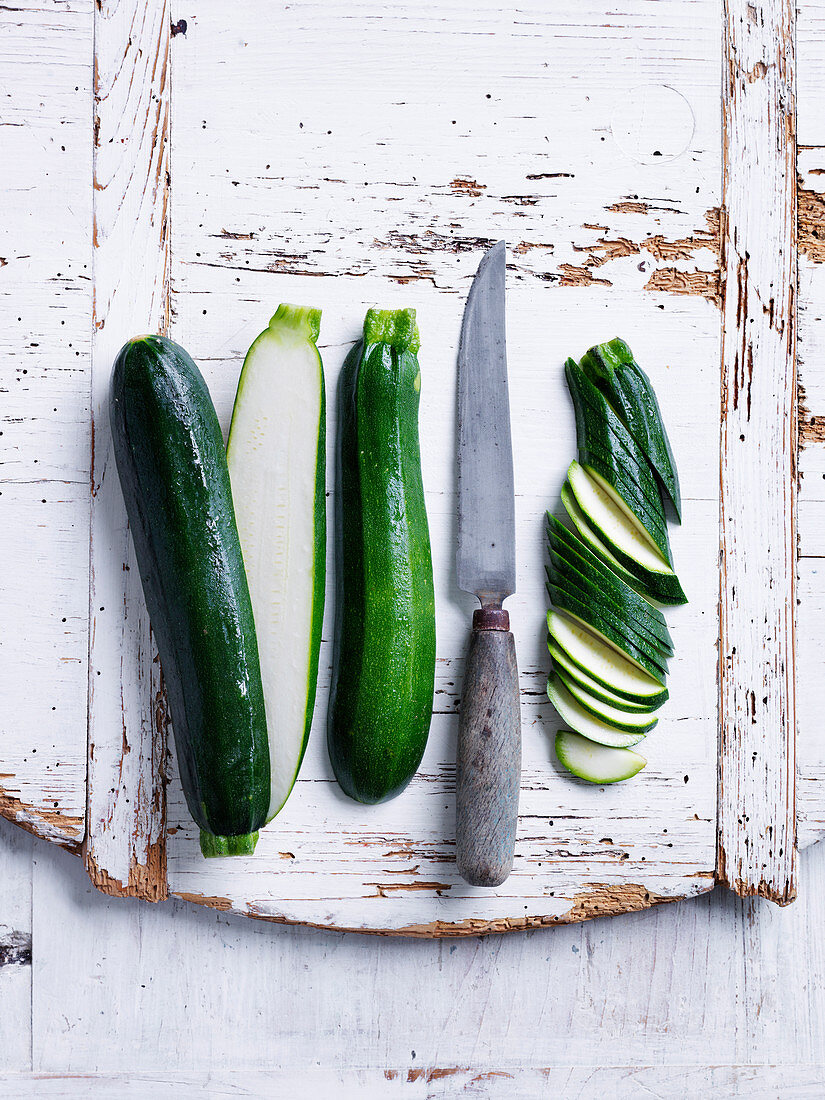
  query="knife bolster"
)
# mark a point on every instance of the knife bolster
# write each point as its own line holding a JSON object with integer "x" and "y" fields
{"x": 491, "y": 618}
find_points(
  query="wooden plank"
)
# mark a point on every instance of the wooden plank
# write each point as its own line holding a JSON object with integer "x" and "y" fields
{"x": 15, "y": 948}
{"x": 45, "y": 301}
{"x": 123, "y": 988}
{"x": 415, "y": 1082}
{"x": 757, "y": 805}
{"x": 125, "y": 843}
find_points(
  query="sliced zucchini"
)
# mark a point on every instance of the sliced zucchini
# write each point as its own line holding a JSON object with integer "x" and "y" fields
{"x": 596, "y": 763}
{"x": 629, "y": 721}
{"x": 651, "y": 659}
{"x": 649, "y": 521}
{"x": 571, "y": 544}
{"x": 613, "y": 521}
{"x": 653, "y": 584}
{"x": 612, "y": 368}
{"x": 563, "y": 663}
{"x": 567, "y": 562}
{"x": 585, "y": 723}
{"x": 605, "y": 444}
{"x": 561, "y": 575}
{"x": 602, "y": 660}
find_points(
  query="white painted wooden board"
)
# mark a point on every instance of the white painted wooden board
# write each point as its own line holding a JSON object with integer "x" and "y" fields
{"x": 713, "y": 995}
{"x": 391, "y": 191}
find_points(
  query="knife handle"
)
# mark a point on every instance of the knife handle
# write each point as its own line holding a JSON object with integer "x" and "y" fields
{"x": 488, "y": 776}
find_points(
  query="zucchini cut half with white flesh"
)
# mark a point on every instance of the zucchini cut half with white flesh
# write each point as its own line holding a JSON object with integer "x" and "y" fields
{"x": 629, "y": 721}
{"x": 654, "y": 585}
{"x": 614, "y": 523}
{"x": 601, "y": 660}
{"x": 596, "y": 763}
{"x": 276, "y": 455}
{"x": 569, "y": 670}
{"x": 585, "y": 723}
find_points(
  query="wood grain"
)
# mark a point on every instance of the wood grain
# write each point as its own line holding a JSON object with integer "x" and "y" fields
{"x": 488, "y": 772}
{"x": 125, "y": 849}
{"x": 757, "y": 654}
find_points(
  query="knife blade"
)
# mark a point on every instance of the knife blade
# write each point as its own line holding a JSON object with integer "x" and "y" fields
{"x": 486, "y": 558}
{"x": 489, "y": 734}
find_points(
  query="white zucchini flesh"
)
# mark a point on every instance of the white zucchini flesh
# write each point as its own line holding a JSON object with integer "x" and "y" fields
{"x": 603, "y": 506}
{"x": 601, "y": 660}
{"x": 629, "y": 721}
{"x": 569, "y": 670}
{"x": 585, "y": 723}
{"x": 273, "y": 454}
{"x": 596, "y": 763}
{"x": 596, "y": 544}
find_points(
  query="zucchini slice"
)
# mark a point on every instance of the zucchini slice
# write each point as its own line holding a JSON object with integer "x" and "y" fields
{"x": 613, "y": 520}
{"x": 645, "y": 654}
{"x": 602, "y": 660}
{"x": 596, "y": 763}
{"x": 572, "y": 546}
{"x": 585, "y": 723}
{"x": 276, "y": 456}
{"x": 650, "y": 522}
{"x": 612, "y": 368}
{"x": 569, "y": 563}
{"x": 560, "y": 574}
{"x": 605, "y": 444}
{"x": 629, "y": 721}
{"x": 565, "y": 665}
{"x": 658, "y": 585}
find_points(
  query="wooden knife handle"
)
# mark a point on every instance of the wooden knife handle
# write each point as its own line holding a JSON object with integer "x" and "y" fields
{"x": 489, "y": 753}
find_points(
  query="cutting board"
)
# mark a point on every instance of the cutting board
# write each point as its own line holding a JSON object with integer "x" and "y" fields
{"x": 345, "y": 158}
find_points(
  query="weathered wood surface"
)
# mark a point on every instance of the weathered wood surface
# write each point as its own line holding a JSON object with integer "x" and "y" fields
{"x": 718, "y": 994}
{"x": 757, "y": 600}
{"x": 124, "y": 849}
{"x": 592, "y": 251}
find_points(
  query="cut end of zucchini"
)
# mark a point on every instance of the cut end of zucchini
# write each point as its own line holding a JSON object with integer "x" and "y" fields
{"x": 214, "y": 846}
{"x": 596, "y": 763}
{"x": 396, "y": 327}
{"x": 305, "y": 320}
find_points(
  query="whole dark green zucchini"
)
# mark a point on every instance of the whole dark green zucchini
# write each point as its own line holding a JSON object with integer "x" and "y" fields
{"x": 172, "y": 465}
{"x": 384, "y": 659}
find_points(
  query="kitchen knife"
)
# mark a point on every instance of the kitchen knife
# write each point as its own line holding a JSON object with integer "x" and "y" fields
{"x": 489, "y": 735}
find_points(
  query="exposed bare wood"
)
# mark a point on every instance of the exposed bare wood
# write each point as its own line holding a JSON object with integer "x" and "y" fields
{"x": 125, "y": 843}
{"x": 757, "y": 780}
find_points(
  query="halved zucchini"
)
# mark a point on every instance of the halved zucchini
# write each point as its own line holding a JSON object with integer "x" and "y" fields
{"x": 565, "y": 664}
{"x": 596, "y": 763}
{"x": 585, "y": 723}
{"x": 629, "y": 721}
{"x": 653, "y": 584}
{"x": 602, "y": 660}
{"x": 276, "y": 456}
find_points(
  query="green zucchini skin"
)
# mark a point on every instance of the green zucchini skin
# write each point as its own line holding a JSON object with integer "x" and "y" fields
{"x": 612, "y": 368}
{"x": 172, "y": 465}
{"x": 569, "y": 546}
{"x": 605, "y": 445}
{"x": 384, "y": 651}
